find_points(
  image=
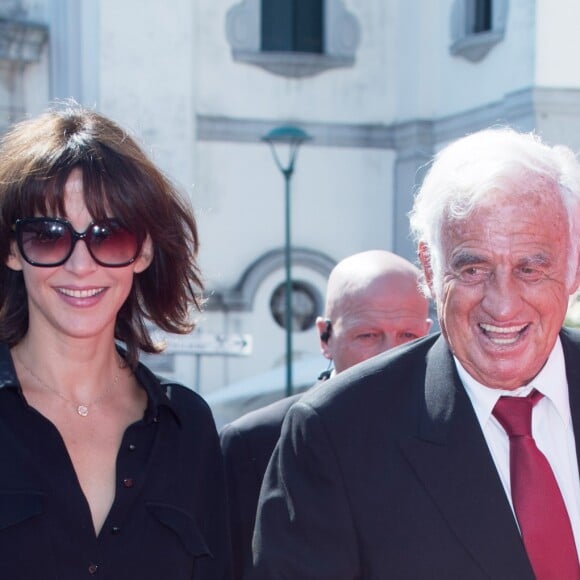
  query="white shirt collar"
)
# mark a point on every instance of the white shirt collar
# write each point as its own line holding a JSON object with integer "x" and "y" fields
{"x": 550, "y": 381}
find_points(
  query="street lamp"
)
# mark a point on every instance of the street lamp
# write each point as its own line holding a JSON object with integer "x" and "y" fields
{"x": 292, "y": 138}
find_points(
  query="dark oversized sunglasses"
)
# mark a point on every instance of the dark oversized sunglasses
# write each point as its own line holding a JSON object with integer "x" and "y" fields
{"x": 49, "y": 242}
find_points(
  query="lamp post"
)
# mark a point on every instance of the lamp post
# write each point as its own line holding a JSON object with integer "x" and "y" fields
{"x": 292, "y": 137}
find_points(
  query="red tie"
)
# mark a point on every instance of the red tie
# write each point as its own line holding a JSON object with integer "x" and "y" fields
{"x": 538, "y": 504}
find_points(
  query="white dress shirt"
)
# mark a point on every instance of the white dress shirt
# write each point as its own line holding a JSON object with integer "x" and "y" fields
{"x": 551, "y": 428}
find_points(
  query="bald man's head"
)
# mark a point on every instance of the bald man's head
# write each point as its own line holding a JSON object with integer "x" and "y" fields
{"x": 373, "y": 303}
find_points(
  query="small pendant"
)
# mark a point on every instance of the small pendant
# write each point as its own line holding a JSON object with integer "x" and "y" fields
{"x": 82, "y": 410}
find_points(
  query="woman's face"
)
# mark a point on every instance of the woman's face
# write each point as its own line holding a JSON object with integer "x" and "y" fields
{"x": 80, "y": 298}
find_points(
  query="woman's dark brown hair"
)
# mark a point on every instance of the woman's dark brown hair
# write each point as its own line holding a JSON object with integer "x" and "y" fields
{"x": 36, "y": 159}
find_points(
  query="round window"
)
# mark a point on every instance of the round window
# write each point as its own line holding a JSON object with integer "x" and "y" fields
{"x": 306, "y": 304}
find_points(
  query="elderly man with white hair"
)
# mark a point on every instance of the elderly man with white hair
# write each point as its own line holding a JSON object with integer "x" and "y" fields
{"x": 455, "y": 457}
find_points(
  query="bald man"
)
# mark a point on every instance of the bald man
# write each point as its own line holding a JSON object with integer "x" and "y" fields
{"x": 373, "y": 303}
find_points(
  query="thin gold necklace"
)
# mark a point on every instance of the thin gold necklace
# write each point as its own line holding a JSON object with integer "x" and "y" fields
{"x": 81, "y": 409}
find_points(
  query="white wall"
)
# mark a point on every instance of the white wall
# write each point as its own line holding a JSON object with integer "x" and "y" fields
{"x": 341, "y": 95}
{"x": 557, "y": 43}
{"x": 239, "y": 197}
{"x": 147, "y": 77}
{"x": 433, "y": 83}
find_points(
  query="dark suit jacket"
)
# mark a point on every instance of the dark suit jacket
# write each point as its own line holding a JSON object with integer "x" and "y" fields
{"x": 385, "y": 474}
{"x": 247, "y": 444}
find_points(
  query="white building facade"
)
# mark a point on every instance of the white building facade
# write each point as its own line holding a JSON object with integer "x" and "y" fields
{"x": 200, "y": 82}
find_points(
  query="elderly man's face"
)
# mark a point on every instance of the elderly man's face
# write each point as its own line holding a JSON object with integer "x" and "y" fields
{"x": 504, "y": 293}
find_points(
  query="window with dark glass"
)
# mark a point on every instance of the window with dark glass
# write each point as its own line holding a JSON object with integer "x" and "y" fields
{"x": 292, "y": 26}
{"x": 306, "y": 305}
{"x": 482, "y": 17}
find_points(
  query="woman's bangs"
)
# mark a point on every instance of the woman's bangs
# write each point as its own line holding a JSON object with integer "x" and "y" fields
{"x": 40, "y": 197}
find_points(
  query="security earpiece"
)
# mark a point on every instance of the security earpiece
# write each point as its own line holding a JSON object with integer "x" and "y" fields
{"x": 326, "y": 334}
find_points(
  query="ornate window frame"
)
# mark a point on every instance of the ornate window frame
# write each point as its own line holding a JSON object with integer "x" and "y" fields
{"x": 240, "y": 297}
{"x": 307, "y": 304}
{"x": 341, "y": 40}
{"x": 21, "y": 40}
{"x": 475, "y": 46}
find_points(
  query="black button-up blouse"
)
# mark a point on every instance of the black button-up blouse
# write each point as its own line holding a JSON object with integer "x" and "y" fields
{"x": 168, "y": 519}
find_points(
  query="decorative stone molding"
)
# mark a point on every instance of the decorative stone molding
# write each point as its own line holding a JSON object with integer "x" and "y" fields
{"x": 516, "y": 109}
{"x": 475, "y": 46}
{"x": 232, "y": 130}
{"x": 21, "y": 41}
{"x": 341, "y": 40}
{"x": 241, "y": 297}
{"x": 12, "y": 9}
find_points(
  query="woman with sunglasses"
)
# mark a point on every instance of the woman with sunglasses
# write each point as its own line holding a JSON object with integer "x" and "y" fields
{"x": 105, "y": 469}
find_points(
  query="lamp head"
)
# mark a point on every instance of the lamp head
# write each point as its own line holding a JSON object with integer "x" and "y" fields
{"x": 286, "y": 134}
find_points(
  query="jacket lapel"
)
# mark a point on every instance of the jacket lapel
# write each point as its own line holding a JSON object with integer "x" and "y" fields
{"x": 452, "y": 458}
{"x": 571, "y": 346}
